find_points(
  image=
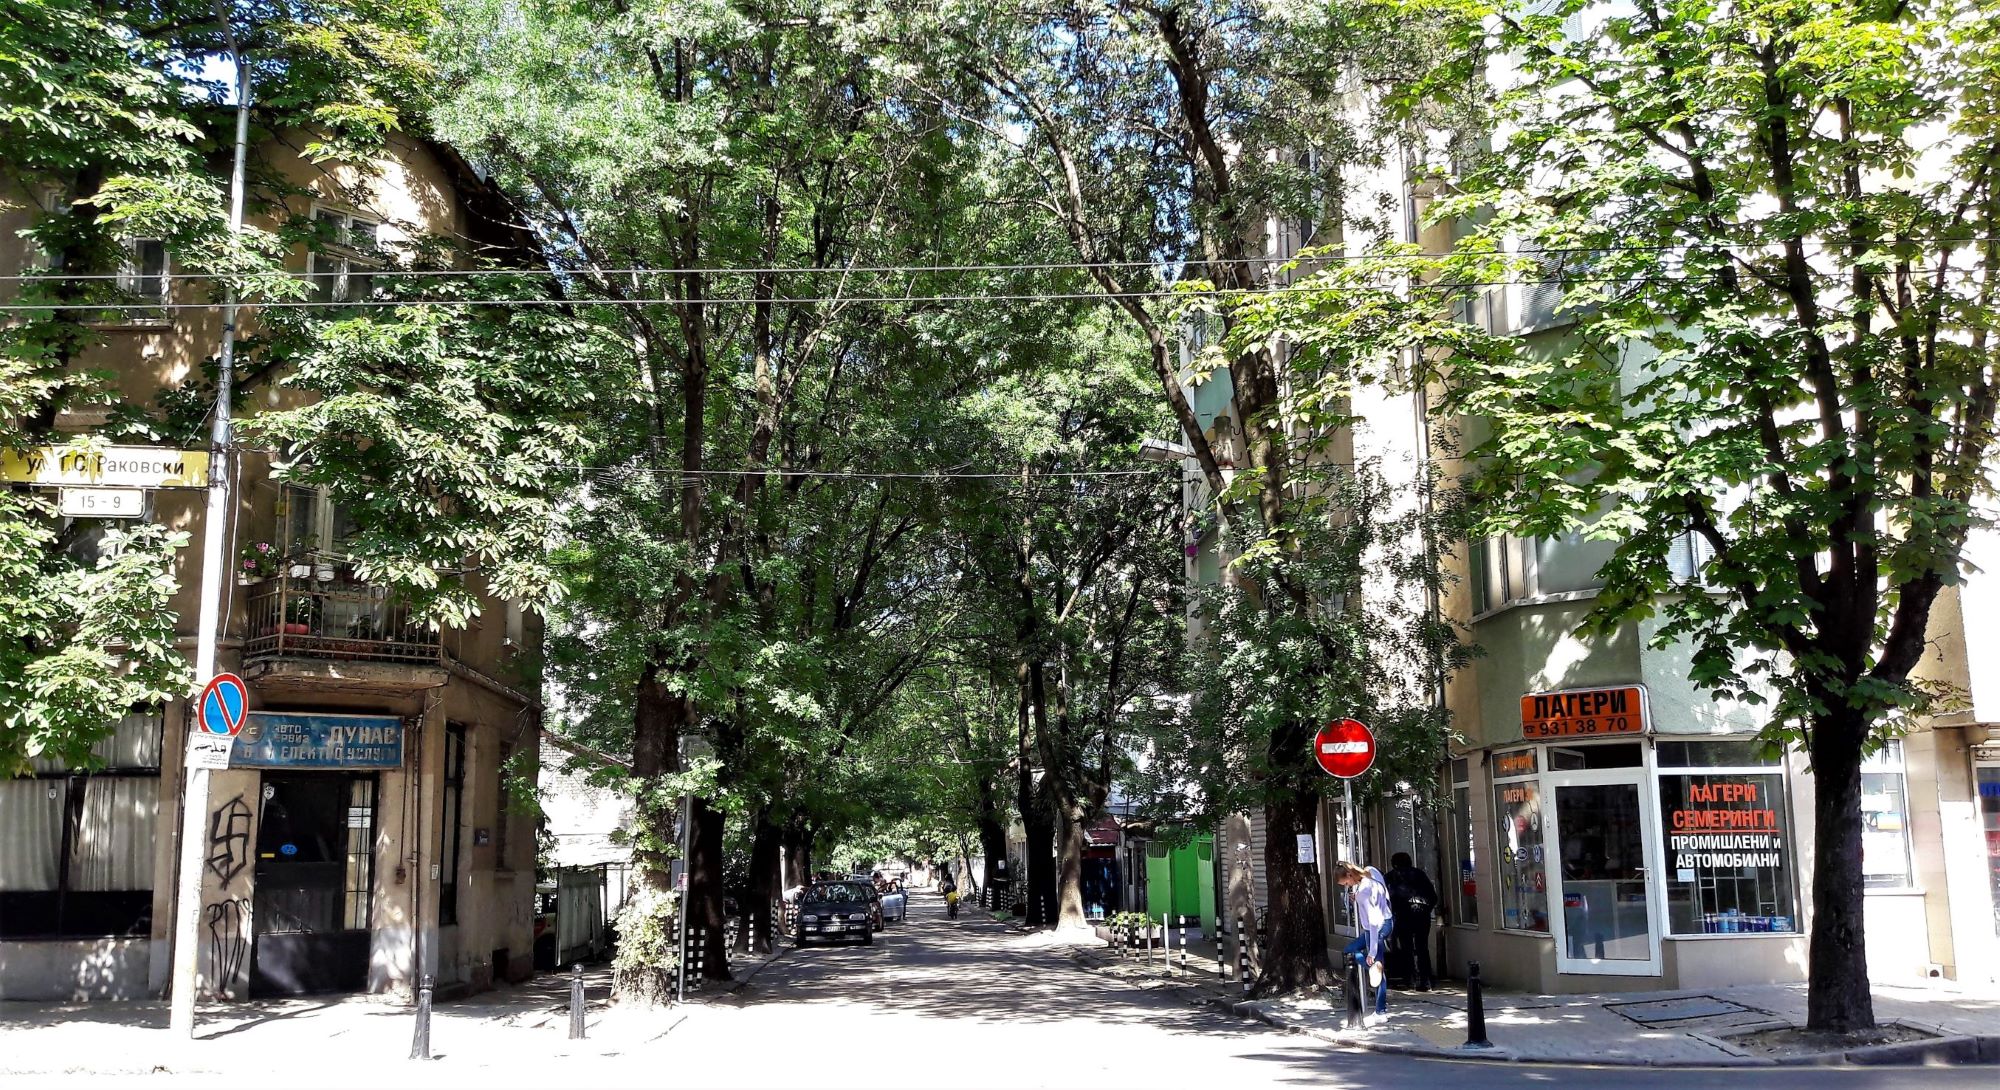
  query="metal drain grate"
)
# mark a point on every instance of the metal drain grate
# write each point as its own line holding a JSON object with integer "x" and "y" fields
{"x": 1655, "y": 1011}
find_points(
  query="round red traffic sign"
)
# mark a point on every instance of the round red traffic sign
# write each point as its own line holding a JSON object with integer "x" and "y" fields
{"x": 1345, "y": 748}
{"x": 222, "y": 704}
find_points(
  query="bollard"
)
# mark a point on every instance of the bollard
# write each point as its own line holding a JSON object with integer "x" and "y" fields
{"x": 420, "y": 1045}
{"x": 1242, "y": 957}
{"x": 576, "y": 1002}
{"x": 1353, "y": 990}
{"x": 1475, "y": 1009}
{"x": 1221, "y": 959}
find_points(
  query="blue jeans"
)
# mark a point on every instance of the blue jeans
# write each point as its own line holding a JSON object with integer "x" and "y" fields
{"x": 1360, "y": 949}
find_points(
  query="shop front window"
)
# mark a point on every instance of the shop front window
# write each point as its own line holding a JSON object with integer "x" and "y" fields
{"x": 1518, "y": 864}
{"x": 1462, "y": 884}
{"x": 76, "y": 847}
{"x": 1885, "y": 822}
{"x": 1728, "y": 840}
{"x": 1989, "y": 810}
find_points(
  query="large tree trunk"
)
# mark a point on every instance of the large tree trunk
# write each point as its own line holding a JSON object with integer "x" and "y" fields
{"x": 1069, "y": 871}
{"x": 705, "y": 908}
{"x": 1296, "y": 955}
{"x": 798, "y": 853}
{"x": 993, "y": 845}
{"x": 1040, "y": 863}
{"x": 1838, "y": 999}
{"x": 659, "y": 715}
{"x": 763, "y": 885}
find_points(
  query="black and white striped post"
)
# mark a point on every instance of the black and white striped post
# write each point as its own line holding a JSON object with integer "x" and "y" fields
{"x": 1242, "y": 956}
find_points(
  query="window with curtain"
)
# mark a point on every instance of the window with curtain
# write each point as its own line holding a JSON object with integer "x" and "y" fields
{"x": 77, "y": 845}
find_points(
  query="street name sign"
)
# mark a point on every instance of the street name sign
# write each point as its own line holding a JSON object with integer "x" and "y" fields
{"x": 106, "y": 467}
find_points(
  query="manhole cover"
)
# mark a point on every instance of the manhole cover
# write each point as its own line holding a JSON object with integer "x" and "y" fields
{"x": 1675, "y": 1010}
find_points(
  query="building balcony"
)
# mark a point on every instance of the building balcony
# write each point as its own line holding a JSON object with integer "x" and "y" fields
{"x": 306, "y": 631}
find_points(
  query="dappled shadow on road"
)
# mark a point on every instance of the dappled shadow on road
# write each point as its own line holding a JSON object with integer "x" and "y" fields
{"x": 972, "y": 969}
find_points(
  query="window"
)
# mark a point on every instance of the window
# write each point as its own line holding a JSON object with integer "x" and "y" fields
{"x": 76, "y": 847}
{"x": 1518, "y": 864}
{"x": 1462, "y": 884}
{"x": 1728, "y": 839}
{"x": 500, "y": 807}
{"x": 314, "y": 523}
{"x": 454, "y": 823}
{"x": 1540, "y": 290}
{"x": 1688, "y": 558}
{"x": 339, "y": 269}
{"x": 360, "y": 883}
{"x": 1508, "y": 569}
{"x": 1885, "y": 832}
{"x": 515, "y": 633}
{"x": 142, "y": 271}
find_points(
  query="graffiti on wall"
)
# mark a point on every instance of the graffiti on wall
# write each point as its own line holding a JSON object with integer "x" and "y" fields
{"x": 227, "y": 920}
{"x": 229, "y": 839}
{"x": 228, "y": 942}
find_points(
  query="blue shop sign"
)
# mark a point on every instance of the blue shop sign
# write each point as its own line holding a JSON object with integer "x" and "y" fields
{"x": 301, "y": 740}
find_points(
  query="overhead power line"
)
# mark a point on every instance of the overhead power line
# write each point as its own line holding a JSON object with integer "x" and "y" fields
{"x": 883, "y": 300}
{"x": 1032, "y": 266}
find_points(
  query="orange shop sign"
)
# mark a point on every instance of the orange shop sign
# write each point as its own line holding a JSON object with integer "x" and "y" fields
{"x": 1584, "y": 713}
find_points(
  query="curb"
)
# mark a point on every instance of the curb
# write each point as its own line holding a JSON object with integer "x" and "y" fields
{"x": 1956, "y": 1051}
{"x": 1961, "y": 1050}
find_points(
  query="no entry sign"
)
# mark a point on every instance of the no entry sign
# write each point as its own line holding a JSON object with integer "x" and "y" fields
{"x": 1345, "y": 748}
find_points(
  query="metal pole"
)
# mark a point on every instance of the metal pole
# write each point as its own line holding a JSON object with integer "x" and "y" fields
{"x": 420, "y": 1044}
{"x": 576, "y": 1002}
{"x": 212, "y": 616}
{"x": 1353, "y": 826}
{"x": 1475, "y": 1009}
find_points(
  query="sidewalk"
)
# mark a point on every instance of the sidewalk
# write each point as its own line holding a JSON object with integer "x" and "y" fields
{"x": 1731, "y": 1027}
{"x": 492, "y": 1038}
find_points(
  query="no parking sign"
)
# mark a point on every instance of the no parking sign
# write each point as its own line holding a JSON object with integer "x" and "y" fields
{"x": 219, "y": 712}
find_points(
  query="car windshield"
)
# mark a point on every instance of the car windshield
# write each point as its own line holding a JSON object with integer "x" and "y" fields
{"x": 836, "y": 891}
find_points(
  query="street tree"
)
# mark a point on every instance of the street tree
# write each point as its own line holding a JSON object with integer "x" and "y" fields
{"x": 1165, "y": 138}
{"x": 110, "y": 134}
{"x": 1772, "y": 230}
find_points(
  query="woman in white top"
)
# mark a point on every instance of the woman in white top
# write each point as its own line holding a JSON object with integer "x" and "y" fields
{"x": 1372, "y": 913}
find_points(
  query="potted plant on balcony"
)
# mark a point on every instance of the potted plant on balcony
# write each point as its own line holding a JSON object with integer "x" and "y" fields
{"x": 300, "y": 615}
{"x": 259, "y": 561}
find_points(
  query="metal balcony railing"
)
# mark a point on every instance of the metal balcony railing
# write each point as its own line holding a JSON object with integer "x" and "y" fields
{"x": 335, "y": 619}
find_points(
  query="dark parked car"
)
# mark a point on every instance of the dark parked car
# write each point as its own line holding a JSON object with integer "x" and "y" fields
{"x": 838, "y": 910}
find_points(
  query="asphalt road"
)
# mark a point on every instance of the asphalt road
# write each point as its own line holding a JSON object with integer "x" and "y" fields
{"x": 934, "y": 1003}
{"x": 965, "y": 1003}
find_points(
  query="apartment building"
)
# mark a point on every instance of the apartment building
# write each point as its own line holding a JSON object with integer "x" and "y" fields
{"x": 361, "y": 837}
{"x": 1603, "y": 824}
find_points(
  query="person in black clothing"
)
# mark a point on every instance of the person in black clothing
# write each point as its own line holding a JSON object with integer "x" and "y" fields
{"x": 1411, "y": 900}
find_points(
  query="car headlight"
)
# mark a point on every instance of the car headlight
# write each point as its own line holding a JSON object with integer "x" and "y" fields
{"x": 858, "y": 917}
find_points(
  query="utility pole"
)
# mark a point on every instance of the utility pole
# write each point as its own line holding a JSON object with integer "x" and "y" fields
{"x": 194, "y": 804}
